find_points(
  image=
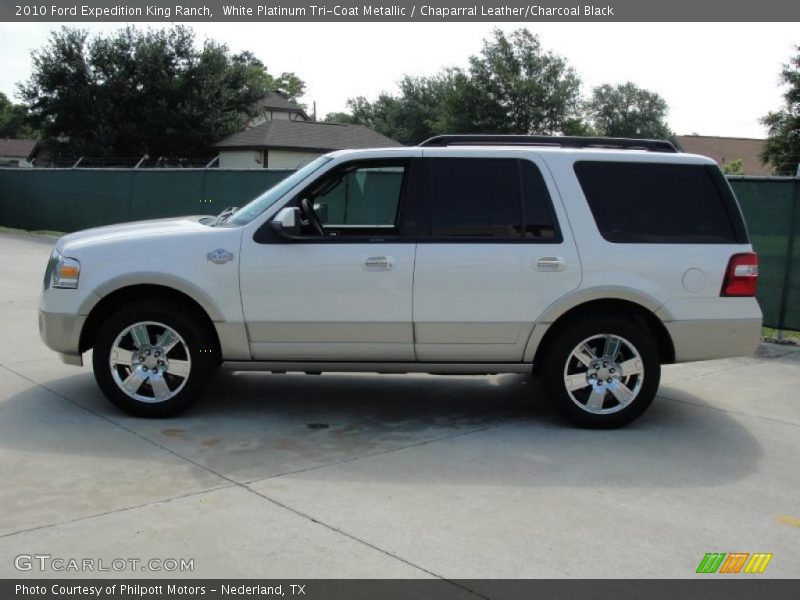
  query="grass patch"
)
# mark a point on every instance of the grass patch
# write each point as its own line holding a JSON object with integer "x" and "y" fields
{"x": 32, "y": 232}
{"x": 789, "y": 336}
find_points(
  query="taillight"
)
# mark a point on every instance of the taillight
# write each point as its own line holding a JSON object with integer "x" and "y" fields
{"x": 741, "y": 276}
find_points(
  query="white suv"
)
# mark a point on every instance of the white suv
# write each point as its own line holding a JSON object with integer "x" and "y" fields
{"x": 588, "y": 261}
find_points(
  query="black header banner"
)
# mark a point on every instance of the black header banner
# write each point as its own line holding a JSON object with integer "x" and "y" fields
{"x": 524, "y": 11}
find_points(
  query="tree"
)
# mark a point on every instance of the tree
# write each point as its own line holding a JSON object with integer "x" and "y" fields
{"x": 782, "y": 148}
{"x": 733, "y": 167}
{"x": 14, "y": 120}
{"x": 512, "y": 86}
{"x": 380, "y": 115}
{"x": 143, "y": 91}
{"x": 409, "y": 117}
{"x": 627, "y": 110}
{"x": 515, "y": 86}
{"x": 289, "y": 84}
{"x": 339, "y": 117}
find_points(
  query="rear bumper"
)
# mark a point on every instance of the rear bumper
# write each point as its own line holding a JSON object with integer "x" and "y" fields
{"x": 62, "y": 332}
{"x": 714, "y": 338}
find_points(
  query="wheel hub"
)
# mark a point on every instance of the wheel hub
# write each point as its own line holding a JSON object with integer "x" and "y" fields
{"x": 150, "y": 359}
{"x": 602, "y": 374}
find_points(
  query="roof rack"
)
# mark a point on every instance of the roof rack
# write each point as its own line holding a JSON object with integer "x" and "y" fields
{"x": 565, "y": 141}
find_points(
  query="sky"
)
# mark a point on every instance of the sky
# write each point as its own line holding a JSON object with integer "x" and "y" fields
{"x": 717, "y": 78}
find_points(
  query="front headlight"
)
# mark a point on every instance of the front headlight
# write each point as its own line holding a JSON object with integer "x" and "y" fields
{"x": 62, "y": 272}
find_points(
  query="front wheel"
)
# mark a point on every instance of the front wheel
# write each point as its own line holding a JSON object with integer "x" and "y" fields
{"x": 602, "y": 372}
{"x": 153, "y": 362}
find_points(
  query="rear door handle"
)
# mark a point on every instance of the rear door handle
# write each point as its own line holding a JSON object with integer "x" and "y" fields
{"x": 551, "y": 263}
{"x": 379, "y": 263}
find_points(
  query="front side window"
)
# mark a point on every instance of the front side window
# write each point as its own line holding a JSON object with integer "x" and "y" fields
{"x": 492, "y": 199}
{"x": 364, "y": 197}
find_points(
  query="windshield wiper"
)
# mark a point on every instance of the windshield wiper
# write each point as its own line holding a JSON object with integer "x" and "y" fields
{"x": 224, "y": 215}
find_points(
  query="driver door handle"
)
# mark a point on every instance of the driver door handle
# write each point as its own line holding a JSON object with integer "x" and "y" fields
{"x": 379, "y": 263}
{"x": 551, "y": 263}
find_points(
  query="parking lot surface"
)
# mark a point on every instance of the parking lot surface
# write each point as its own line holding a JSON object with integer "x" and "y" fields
{"x": 296, "y": 476}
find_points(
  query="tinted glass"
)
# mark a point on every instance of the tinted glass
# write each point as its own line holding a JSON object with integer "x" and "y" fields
{"x": 655, "y": 203}
{"x": 488, "y": 198}
{"x": 365, "y": 197}
{"x": 539, "y": 220}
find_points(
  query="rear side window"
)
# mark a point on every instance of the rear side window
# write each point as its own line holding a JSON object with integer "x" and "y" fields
{"x": 657, "y": 203}
{"x": 497, "y": 198}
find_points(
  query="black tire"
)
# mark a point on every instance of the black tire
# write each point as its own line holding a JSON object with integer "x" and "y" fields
{"x": 196, "y": 348}
{"x": 615, "y": 413}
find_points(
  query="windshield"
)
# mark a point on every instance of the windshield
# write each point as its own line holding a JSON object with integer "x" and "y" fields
{"x": 254, "y": 208}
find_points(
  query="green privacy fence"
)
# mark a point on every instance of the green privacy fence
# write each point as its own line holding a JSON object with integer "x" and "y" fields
{"x": 73, "y": 199}
{"x": 771, "y": 207}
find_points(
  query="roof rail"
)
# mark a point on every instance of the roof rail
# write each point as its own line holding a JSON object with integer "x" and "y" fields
{"x": 565, "y": 141}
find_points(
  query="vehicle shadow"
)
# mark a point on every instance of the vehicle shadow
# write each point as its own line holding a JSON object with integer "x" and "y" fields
{"x": 496, "y": 430}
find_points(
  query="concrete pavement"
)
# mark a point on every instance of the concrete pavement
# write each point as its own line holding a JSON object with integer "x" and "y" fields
{"x": 290, "y": 476}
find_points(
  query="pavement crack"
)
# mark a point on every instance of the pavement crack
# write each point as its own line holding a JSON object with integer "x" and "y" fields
{"x": 701, "y": 375}
{"x": 728, "y": 411}
{"x": 355, "y": 538}
{"x": 114, "y": 511}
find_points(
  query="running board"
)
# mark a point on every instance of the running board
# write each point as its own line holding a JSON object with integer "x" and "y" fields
{"x": 376, "y": 367}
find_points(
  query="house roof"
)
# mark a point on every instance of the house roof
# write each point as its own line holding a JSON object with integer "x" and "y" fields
{"x": 725, "y": 149}
{"x": 279, "y": 102}
{"x": 306, "y": 135}
{"x": 21, "y": 148}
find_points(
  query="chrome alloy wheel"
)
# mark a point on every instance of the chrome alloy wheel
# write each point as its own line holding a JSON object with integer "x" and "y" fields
{"x": 150, "y": 362}
{"x": 604, "y": 374}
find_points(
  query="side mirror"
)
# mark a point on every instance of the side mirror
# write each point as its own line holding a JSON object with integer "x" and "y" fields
{"x": 287, "y": 222}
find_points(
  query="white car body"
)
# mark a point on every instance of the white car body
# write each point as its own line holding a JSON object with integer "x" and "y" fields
{"x": 405, "y": 306}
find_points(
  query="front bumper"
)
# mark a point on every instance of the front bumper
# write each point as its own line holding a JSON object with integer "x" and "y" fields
{"x": 62, "y": 332}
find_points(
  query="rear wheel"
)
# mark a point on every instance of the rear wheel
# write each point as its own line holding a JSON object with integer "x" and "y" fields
{"x": 602, "y": 372}
{"x": 153, "y": 361}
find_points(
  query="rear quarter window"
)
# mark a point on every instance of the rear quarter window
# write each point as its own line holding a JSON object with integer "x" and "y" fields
{"x": 659, "y": 203}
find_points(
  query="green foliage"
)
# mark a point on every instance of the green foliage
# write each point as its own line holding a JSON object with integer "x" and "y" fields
{"x": 143, "y": 91}
{"x": 627, "y": 110}
{"x": 339, "y": 117}
{"x": 733, "y": 167}
{"x": 14, "y": 120}
{"x": 288, "y": 84}
{"x": 782, "y": 148}
{"x": 513, "y": 86}
{"x": 409, "y": 117}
